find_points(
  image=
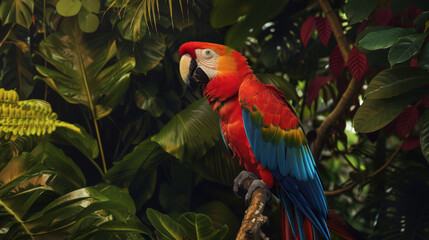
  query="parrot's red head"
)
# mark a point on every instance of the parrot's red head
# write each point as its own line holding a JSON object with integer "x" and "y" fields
{"x": 219, "y": 68}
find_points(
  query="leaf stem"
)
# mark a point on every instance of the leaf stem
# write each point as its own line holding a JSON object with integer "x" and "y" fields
{"x": 17, "y": 218}
{"x": 7, "y": 35}
{"x": 96, "y": 166}
{"x": 91, "y": 106}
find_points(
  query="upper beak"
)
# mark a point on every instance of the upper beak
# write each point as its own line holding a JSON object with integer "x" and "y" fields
{"x": 190, "y": 72}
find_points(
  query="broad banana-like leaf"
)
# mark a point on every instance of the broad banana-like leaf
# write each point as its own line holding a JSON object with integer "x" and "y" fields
{"x": 193, "y": 136}
{"x": 80, "y": 72}
{"x": 37, "y": 202}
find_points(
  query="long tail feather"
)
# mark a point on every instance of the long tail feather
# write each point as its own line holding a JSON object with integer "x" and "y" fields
{"x": 287, "y": 233}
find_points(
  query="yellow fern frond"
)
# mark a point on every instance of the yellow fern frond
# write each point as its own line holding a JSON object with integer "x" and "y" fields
{"x": 27, "y": 117}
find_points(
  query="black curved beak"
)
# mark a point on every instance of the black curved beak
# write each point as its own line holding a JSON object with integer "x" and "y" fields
{"x": 191, "y": 73}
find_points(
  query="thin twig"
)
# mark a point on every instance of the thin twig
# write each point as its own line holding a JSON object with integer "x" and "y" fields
{"x": 348, "y": 161}
{"x": 352, "y": 185}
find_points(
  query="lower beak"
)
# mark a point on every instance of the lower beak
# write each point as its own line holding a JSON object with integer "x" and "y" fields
{"x": 190, "y": 72}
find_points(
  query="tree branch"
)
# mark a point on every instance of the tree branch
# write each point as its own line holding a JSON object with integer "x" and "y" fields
{"x": 351, "y": 91}
{"x": 253, "y": 219}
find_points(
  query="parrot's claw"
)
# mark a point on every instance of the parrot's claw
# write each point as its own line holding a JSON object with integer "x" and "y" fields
{"x": 239, "y": 180}
{"x": 257, "y": 184}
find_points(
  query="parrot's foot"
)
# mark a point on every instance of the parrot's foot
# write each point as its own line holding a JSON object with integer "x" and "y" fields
{"x": 256, "y": 183}
{"x": 239, "y": 181}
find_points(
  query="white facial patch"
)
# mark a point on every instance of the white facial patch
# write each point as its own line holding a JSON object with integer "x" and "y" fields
{"x": 207, "y": 61}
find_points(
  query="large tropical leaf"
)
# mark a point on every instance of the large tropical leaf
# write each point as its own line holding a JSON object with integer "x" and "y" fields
{"x": 39, "y": 200}
{"x": 80, "y": 70}
{"x": 84, "y": 142}
{"x": 395, "y": 81}
{"x": 17, "y": 11}
{"x": 87, "y": 213}
{"x": 191, "y": 132}
{"x": 138, "y": 169}
{"x": 193, "y": 137}
{"x": 166, "y": 227}
{"x": 56, "y": 160}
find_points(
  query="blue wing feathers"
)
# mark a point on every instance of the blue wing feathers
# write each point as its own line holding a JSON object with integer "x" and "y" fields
{"x": 288, "y": 205}
{"x": 294, "y": 168}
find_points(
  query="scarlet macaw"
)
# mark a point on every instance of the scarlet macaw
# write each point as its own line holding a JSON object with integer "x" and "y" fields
{"x": 263, "y": 132}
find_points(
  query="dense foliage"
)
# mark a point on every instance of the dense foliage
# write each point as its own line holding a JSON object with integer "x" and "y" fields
{"x": 138, "y": 155}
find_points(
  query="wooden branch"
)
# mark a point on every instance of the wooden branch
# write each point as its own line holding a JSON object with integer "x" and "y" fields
{"x": 253, "y": 218}
{"x": 352, "y": 90}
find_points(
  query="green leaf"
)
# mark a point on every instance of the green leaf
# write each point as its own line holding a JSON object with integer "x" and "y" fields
{"x": 226, "y": 12}
{"x": 68, "y": 8}
{"x": 149, "y": 52}
{"x": 84, "y": 142}
{"x": 17, "y": 72}
{"x": 143, "y": 160}
{"x": 191, "y": 132}
{"x": 99, "y": 210}
{"x": 147, "y": 99}
{"x": 200, "y": 227}
{"x": 424, "y": 133}
{"x": 374, "y": 114}
{"x": 88, "y": 22}
{"x": 137, "y": 169}
{"x": 222, "y": 215}
{"x": 395, "y": 81}
{"x": 217, "y": 165}
{"x": 17, "y": 11}
{"x": 257, "y": 15}
{"x": 405, "y": 47}
{"x": 383, "y": 38}
{"x": 358, "y": 10}
{"x": 55, "y": 159}
{"x": 421, "y": 20}
{"x": 424, "y": 57}
{"x": 79, "y": 69}
{"x": 166, "y": 228}
{"x": 26, "y": 186}
{"x": 280, "y": 83}
{"x": 132, "y": 26}
{"x": 91, "y": 5}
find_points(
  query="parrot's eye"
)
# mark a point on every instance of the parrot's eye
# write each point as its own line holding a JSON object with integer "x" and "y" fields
{"x": 208, "y": 53}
